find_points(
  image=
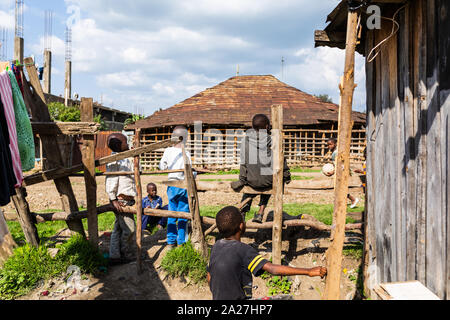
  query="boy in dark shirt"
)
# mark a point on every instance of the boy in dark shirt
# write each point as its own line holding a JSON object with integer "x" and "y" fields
{"x": 233, "y": 263}
{"x": 256, "y": 164}
{"x": 153, "y": 201}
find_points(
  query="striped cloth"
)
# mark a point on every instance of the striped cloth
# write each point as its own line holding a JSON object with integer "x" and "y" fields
{"x": 8, "y": 105}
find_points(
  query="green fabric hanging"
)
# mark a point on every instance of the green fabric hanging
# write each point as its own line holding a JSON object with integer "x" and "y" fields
{"x": 25, "y": 137}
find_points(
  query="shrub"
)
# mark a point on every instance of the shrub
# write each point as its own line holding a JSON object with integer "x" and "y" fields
{"x": 185, "y": 261}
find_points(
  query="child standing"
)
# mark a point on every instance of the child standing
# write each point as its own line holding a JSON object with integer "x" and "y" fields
{"x": 233, "y": 263}
{"x": 121, "y": 191}
{"x": 153, "y": 201}
{"x": 178, "y": 197}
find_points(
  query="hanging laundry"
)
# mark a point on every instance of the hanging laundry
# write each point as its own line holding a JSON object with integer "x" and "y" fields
{"x": 25, "y": 138}
{"x": 8, "y": 108}
{"x": 7, "y": 177}
{"x": 18, "y": 75}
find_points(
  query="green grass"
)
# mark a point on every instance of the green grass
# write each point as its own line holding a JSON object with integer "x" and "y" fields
{"x": 322, "y": 212}
{"x": 300, "y": 169}
{"x": 48, "y": 229}
{"x": 28, "y": 265}
{"x": 301, "y": 178}
{"x": 185, "y": 261}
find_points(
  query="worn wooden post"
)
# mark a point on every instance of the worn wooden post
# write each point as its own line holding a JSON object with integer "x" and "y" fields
{"x": 88, "y": 158}
{"x": 137, "y": 178}
{"x": 35, "y": 101}
{"x": 25, "y": 218}
{"x": 334, "y": 253}
{"x": 277, "y": 164}
{"x": 198, "y": 237}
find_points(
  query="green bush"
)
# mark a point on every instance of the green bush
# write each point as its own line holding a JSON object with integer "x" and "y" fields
{"x": 185, "y": 261}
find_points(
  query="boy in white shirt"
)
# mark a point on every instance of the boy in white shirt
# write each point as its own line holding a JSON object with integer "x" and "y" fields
{"x": 121, "y": 191}
{"x": 178, "y": 197}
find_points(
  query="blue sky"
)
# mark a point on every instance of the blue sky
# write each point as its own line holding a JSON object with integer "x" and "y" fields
{"x": 144, "y": 55}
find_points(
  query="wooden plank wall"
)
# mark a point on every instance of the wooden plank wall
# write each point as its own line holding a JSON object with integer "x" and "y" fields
{"x": 408, "y": 103}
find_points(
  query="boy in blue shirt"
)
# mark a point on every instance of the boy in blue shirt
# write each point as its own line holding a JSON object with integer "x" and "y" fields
{"x": 153, "y": 201}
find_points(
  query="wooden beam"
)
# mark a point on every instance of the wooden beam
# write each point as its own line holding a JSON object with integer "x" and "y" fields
{"x": 137, "y": 179}
{"x": 7, "y": 243}
{"x": 64, "y": 172}
{"x": 88, "y": 159}
{"x": 25, "y": 217}
{"x": 35, "y": 101}
{"x": 65, "y": 128}
{"x": 334, "y": 253}
{"x": 278, "y": 166}
{"x": 197, "y": 238}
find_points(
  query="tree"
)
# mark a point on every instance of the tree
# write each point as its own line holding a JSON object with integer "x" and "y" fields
{"x": 325, "y": 98}
{"x": 133, "y": 119}
{"x": 59, "y": 112}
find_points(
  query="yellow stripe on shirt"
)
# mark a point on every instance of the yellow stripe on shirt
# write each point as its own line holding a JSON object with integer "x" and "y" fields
{"x": 254, "y": 260}
{"x": 256, "y": 264}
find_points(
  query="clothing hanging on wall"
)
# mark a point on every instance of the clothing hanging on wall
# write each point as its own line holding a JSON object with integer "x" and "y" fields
{"x": 7, "y": 177}
{"x": 24, "y": 130}
{"x": 8, "y": 108}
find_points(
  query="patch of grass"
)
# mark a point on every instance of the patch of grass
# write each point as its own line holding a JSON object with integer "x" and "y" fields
{"x": 301, "y": 178}
{"x": 29, "y": 265}
{"x": 354, "y": 251}
{"x": 322, "y": 212}
{"x": 300, "y": 169}
{"x": 185, "y": 261}
{"x": 224, "y": 172}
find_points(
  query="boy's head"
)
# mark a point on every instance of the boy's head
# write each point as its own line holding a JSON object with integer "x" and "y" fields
{"x": 117, "y": 142}
{"x": 331, "y": 144}
{"x": 229, "y": 221}
{"x": 152, "y": 190}
{"x": 180, "y": 131}
{"x": 261, "y": 122}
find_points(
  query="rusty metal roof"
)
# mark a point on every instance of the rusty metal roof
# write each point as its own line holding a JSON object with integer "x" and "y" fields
{"x": 236, "y": 100}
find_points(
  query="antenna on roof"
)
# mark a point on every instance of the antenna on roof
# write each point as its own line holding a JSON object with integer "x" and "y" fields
{"x": 237, "y": 71}
{"x": 282, "y": 68}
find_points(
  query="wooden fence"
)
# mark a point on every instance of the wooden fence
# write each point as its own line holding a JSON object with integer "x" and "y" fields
{"x": 220, "y": 149}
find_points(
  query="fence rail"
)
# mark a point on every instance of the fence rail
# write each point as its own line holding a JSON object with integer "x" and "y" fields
{"x": 302, "y": 147}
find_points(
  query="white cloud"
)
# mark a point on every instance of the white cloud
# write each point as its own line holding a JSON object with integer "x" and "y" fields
{"x": 320, "y": 70}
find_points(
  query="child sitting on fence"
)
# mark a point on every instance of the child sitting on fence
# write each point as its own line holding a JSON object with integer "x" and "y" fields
{"x": 153, "y": 201}
{"x": 121, "y": 190}
{"x": 177, "y": 231}
{"x": 256, "y": 164}
{"x": 233, "y": 263}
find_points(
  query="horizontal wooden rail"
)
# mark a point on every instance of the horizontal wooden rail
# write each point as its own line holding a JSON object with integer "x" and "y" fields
{"x": 64, "y": 172}
{"x": 65, "y": 128}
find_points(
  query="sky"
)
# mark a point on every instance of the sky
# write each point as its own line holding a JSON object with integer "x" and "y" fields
{"x": 142, "y": 55}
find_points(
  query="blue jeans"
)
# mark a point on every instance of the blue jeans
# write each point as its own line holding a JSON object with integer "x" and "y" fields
{"x": 178, "y": 201}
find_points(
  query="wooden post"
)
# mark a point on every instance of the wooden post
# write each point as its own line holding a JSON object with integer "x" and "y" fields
{"x": 47, "y": 71}
{"x": 35, "y": 101}
{"x": 88, "y": 158}
{"x": 197, "y": 238}
{"x": 25, "y": 217}
{"x": 278, "y": 164}
{"x": 334, "y": 253}
{"x": 137, "y": 178}
{"x": 18, "y": 49}
{"x": 7, "y": 243}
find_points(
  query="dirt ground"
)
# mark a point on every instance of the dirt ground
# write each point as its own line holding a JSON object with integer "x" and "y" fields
{"x": 302, "y": 247}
